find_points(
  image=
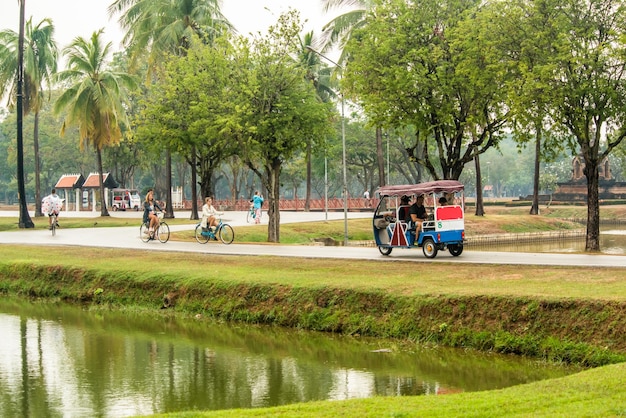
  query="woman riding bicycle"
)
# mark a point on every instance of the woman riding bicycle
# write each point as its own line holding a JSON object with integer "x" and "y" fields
{"x": 209, "y": 214}
{"x": 149, "y": 212}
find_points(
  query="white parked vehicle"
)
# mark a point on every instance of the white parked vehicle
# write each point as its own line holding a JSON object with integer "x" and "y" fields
{"x": 123, "y": 199}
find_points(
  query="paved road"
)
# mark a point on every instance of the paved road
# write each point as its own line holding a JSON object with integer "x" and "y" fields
{"x": 128, "y": 237}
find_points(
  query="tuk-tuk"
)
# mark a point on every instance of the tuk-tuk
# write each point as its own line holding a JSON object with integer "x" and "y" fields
{"x": 123, "y": 199}
{"x": 444, "y": 227}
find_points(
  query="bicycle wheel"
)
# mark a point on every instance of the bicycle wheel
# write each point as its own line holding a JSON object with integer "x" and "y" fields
{"x": 144, "y": 233}
{"x": 53, "y": 225}
{"x": 202, "y": 239}
{"x": 164, "y": 232}
{"x": 226, "y": 233}
{"x": 250, "y": 216}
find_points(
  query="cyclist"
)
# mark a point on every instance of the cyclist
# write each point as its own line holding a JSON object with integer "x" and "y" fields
{"x": 257, "y": 202}
{"x": 209, "y": 214}
{"x": 149, "y": 212}
{"x": 52, "y": 205}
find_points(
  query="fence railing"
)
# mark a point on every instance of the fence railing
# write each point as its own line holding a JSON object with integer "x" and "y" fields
{"x": 334, "y": 204}
{"x": 525, "y": 237}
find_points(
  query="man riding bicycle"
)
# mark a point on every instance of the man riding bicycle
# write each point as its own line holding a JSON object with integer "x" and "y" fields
{"x": 51, "y": 205}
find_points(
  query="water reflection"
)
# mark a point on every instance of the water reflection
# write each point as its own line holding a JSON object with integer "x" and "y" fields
{"x": 612, "y": 241}
{"x": 63, "y": 361}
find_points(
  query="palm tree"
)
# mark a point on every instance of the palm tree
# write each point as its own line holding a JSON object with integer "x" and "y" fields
{"x": 157, "y": 28}
{"x": 95, "y": 97}
{"x": 24, "y": 219}
{"x": 319, "y": 75}
{"x": 337, "y": 33}
{"x": 40, "y": 63}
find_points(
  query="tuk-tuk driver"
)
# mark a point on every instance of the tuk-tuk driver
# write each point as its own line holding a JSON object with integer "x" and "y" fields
{"x": 418, "y": 214}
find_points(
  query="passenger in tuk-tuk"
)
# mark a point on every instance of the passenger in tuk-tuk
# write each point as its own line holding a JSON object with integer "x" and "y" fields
{"x": 403, "y": 209}
{"x": 418, "y": 214}
{"x": 443, "y": 201}
{"x": 401, "y": 214}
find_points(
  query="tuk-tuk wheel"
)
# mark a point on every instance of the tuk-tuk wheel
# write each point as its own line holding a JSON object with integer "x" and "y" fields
{"x": 385, "y": 250}
{"x": 455, "y": 249}
{"x": 429, "y": 248}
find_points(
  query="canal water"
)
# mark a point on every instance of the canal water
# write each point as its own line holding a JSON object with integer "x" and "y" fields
{"x": 64, "y": 361}
{"x": 612, "y": 241}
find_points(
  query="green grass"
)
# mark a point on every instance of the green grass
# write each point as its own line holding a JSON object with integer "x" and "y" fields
{"x": 402, "y": 278}
{"x": 11, "y": 224}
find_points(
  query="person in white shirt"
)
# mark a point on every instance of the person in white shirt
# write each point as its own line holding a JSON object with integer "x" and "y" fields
{"x": 51, "y": 205}
{"x": 209, "y": 214}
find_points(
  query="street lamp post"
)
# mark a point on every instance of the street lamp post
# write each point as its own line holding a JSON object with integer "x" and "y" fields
{"x": 387, "y": 160}
{"x": 343, "y": 146}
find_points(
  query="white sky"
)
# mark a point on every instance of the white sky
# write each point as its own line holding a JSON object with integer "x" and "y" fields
{"x": 73, "y": 18}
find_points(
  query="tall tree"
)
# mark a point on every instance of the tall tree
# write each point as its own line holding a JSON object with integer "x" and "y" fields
{"x": 40, "y": 63}
{"x": 528, "y": 36}
{"x": 187, "y": 105}
{"x": 24, "y": 220}
{"x": 277, "y": 108}
{"x": 336, "y": 34}
{"x": 158, "y": 28}
{"x": 94, "y": 100}
{"x": 417, "y": 64}
{"x": 587, "y": 82}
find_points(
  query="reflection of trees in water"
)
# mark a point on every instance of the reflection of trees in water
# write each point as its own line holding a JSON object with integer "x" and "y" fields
{"x": 114, "y": 364}
{"x": 612, "y": 241}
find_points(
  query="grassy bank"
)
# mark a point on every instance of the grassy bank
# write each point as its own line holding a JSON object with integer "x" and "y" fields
{"x": 504, "y": 309}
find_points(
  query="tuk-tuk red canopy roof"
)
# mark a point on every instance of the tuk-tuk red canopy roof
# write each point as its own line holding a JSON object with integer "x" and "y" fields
{"x": 439, "y": 186}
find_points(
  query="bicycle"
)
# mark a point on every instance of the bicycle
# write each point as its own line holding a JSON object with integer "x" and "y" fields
{"x": 53, "y": 224}
{"x": 250, "y": 217}
{"x": 162, "y": 233}
{"x": 224, "y": 231}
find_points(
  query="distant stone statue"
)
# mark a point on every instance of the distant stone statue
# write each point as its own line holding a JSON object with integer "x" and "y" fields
{"x": 578, "y": 165}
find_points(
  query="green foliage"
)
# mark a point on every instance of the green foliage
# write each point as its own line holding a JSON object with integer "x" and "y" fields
{"x": 430, "y": 66}
{"x": 58, "y": 154}
{"x": 186, "y": 107}
{"x": 277, "y": 110}
{"x": 569, "y": 65}
{"x": 95, "y": 98}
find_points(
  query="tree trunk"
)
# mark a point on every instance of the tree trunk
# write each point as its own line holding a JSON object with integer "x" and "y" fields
{"x": 480, "y": 209}
{"x": 380, "y": 157}
{"x": 592, "y": 243}
{"x": 24, "y": 220}
{"x": 37, "y": 166}
{"x": 273, "y": 211}
{"x": 169, "y": 207}
{"x": 534, "y": 209}
{"x": 103, "y": 204}
{"x": 307, "y": 200}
